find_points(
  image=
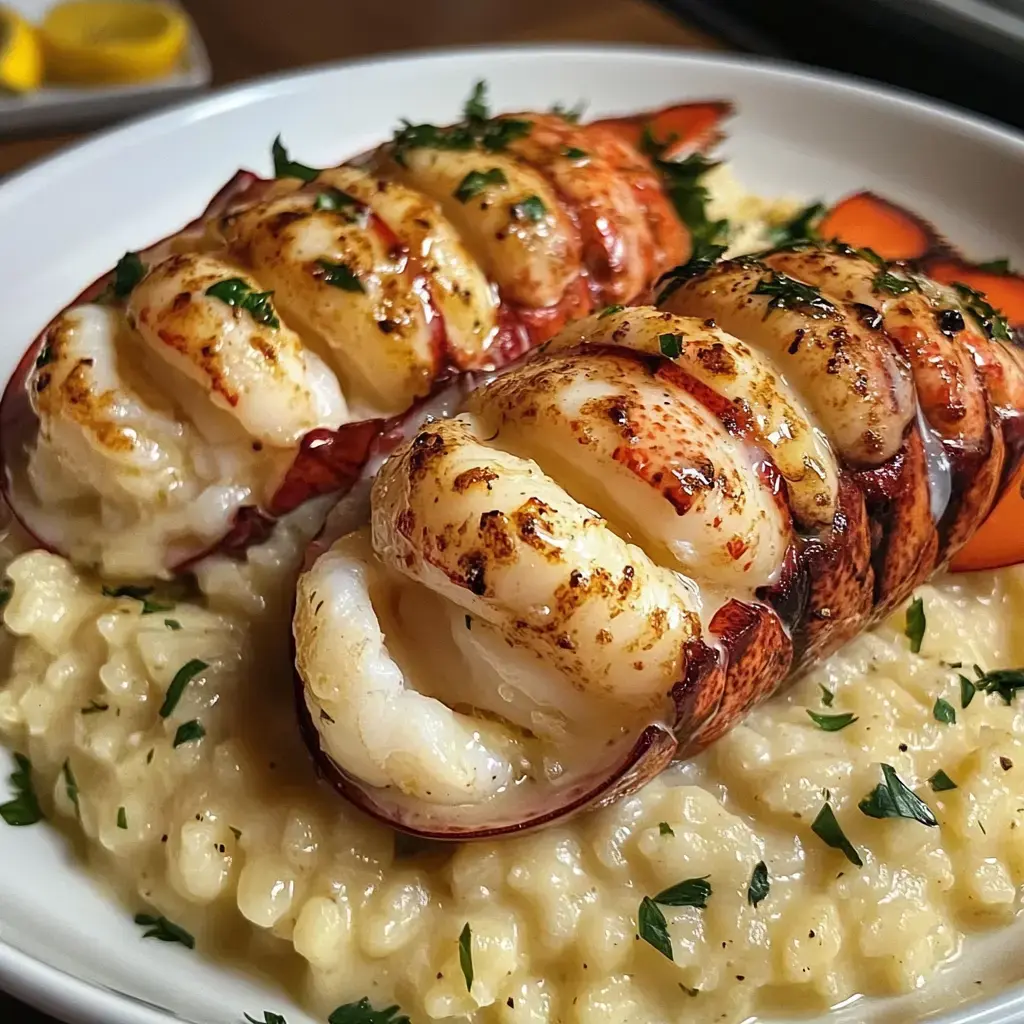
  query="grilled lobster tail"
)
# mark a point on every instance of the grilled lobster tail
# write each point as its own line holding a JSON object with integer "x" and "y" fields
{"x": 627, "y": 541}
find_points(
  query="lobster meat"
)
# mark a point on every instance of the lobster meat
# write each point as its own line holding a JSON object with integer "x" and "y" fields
{"x": 642, "y": 530}
{"x": 247, "y": 363}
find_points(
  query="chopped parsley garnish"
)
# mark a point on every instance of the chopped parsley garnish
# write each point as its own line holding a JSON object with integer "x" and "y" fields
{"x": 476, "y": 181}
{"x": 653, "y": 927}
{"x": 827, "y": 696}
{"x": 915, "y": 624}
{"x": 832, "y": 723}
{"x": 531, "y": 208}
{"x": 284, "y": 167}
{"x": 883, "y": 281}
{"x": 466, "y": 955}
{"x": 172, "y": 624}
{"x": 364, "y": 1013}
{"x": 671, "y": 345}
{"x": 152, "y": 607}
{"x": 237, "y": 294}
{"x": 188, "y": 731}
{"x": 333, "y": 200}
{"x": 574, "y": 153}
{"x": 940, "y": 782}
{"x": 788, "y": 293}
{"x": 992, "y": 321}
{"x": 23, "y": 808}
{"x": 181, "y": 679}
{"x": 826, "y": 828}
{"x": 967, "y": 691}
{"x": 801, "y": 228}
{"x": 999, "y": 266}
{"x": 128, "y": 272}
{"x": 70, "y": 784}
{"x": 135, "y": 593}
{"x": 609, "y": 311}
{"x": 570, "y": 114}
{"x": 339, "y": 275}
{"x": 703, "y": 257}
{"x": 164, "y": 930}
{"x": 1004, "y": 681}
{"x": 122, "y": 818}
{"x": 268, "y": 1018}
{"x": 665, "y": 829}
{"x": 694, "y": 892}
{"x": 477, "y": 129}
{"x": 94, "y": 707}
{"x": 475, "y": 108}
{"x": 759, "y": 884}
{"x": 944, "y": 712}
{"x": 689, "y": 197}
{"x": 893, "y": 798}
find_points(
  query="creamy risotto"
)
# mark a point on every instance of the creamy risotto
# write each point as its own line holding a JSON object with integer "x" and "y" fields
{"x": 205, "y": 810}
{"x": 160, "y": 723}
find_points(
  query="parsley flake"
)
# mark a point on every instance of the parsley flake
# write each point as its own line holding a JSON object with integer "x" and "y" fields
{"x": 827, "y": 696}
{"x": 570, "y": 114}
{"x": 475, "y": 108}
{"x": 181, "y": 679}
{"x": 333, "y": 200}
{"x": 466, "y": 955}
{"x": 940, "y": 782}
{"x": 999, "y": 266}
{"x": 188, "y": 731}
{"x": 172, "y": 624}
{"x": 883, "y": 281}
{"x": 967, "y": 691}
{"x": 70, "y": 784}
{"x": 364, "y": 1013}
{"x": 944, "y": 712}
{"x": 915, "y": 624}
{"x": 531, "y": 208}
{"x": 759, "y": 884}
{"x": 284, "y": 167}
{"x": 574, "y": 153}
{"x": 23, "y": 808}
{"x": 164, "y": 930}
{"x": 135, "y": 593}
{"x": 477, "y": 181}
{"x": 993, "y": 323}
{"x": 94, "y": 707}
{"x": 1004, "y": 681}
{"x": 122, "y": 818}
{"x": 703, "y": 257}
{"x": 826, "y": 828}
{"x": 802, "y": 227}
{"x": 236, "y": 293}
{"x": 832, "y": 723}
{"x": 893, "y": 798}
{"x": 789, "y": 293}
{"x": 665, "y": 829}
{"x": 268, "y": 1018}
{"x": 609, "y": 311}
{"x": 128, "y": 272}
{"x": 653, "y": 927}
{"x": 694, "y": 892}
{"x": 671, "y": 345}
{"x": 689, "y": 196}
{"x": 338, "y": 275}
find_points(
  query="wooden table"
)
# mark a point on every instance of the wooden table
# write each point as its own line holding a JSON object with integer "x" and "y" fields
{"x": 247, "y": 38}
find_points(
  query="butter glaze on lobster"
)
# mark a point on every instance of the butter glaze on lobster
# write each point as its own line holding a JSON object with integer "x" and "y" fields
{"x": 245, "y": 365}
{"x": 635, "y": 535}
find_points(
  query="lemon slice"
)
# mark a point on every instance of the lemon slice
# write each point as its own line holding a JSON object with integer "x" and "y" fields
{"x": 21, "y": 60}
{"x": 105, "y": 42}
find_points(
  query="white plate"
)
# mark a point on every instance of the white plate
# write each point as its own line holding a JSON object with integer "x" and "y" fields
{"x": 64, "y": 945}
{"x": 67, "y": 106}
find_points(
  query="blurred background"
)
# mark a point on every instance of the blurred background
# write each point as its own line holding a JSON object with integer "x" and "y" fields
{"x": 68, "y": 67}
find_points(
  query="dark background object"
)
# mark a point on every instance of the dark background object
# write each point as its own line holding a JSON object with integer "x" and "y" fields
{"x": 921, "y": 45}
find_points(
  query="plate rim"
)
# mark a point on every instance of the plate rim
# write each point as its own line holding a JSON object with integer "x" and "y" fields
{"x": 53, "y": 989}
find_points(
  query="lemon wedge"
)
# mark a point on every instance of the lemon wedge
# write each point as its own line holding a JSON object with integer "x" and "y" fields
{"x": 106, "y": 42}
{"x": 21, "y": 60}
